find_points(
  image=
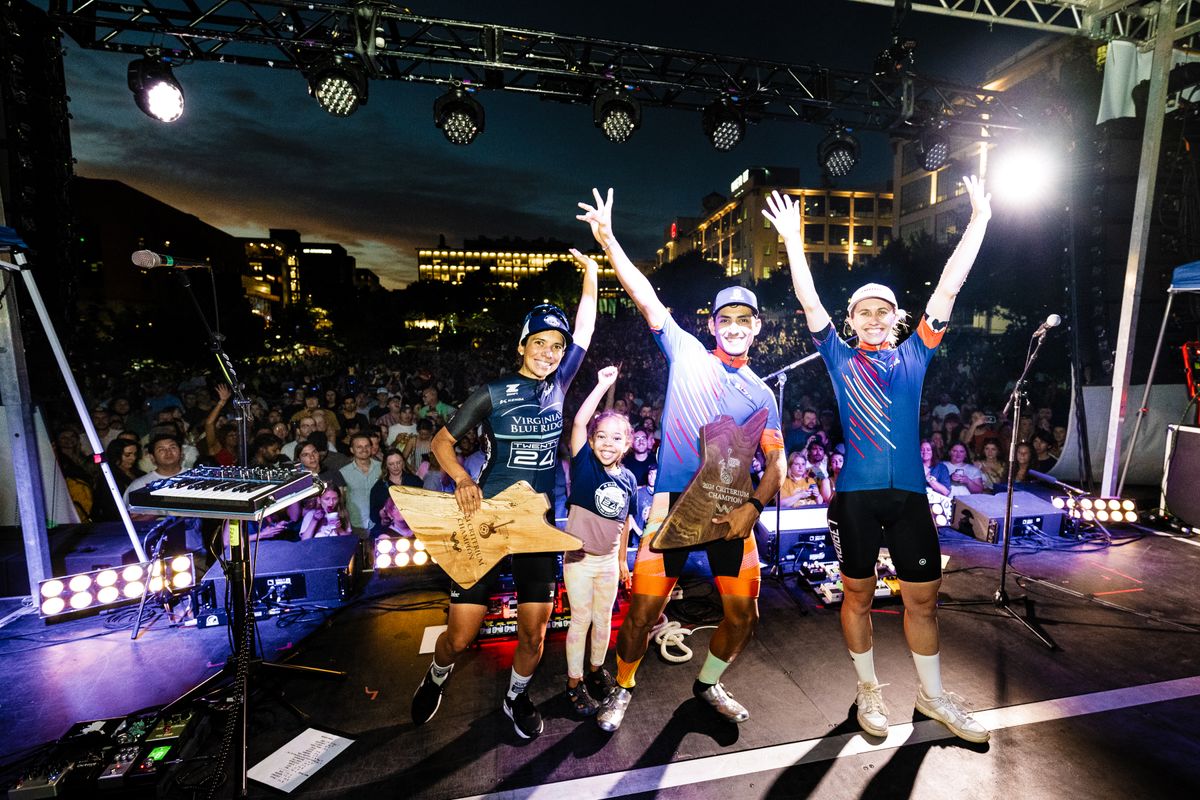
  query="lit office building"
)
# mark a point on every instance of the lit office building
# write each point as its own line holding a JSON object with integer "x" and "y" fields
{"x": 506, "y": 262}
{"x": 841, "y": 226}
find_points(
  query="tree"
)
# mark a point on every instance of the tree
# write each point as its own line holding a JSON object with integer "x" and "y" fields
{"x": 689, "y": 283}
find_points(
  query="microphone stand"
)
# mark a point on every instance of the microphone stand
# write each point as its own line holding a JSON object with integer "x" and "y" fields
{"x": 1000, "y": 598}
{"x": 242, "y": 665}
{"x": 775, "y": 571}
{"x": 21, "y": 266}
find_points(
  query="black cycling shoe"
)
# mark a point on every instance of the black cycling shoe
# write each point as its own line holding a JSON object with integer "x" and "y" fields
{"x": 426, "y": 699}
{"x": 527, "y": 720}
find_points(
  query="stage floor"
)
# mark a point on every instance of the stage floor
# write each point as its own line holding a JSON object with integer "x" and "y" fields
{"x": 1112, "y": 713}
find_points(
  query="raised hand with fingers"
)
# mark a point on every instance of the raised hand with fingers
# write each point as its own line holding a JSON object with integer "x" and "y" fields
{"x": 981, "y": 201}
{"x": 585, "y": 261}
{"x": 599, "y": 216}
{"x": 784, "y": 215}
{"x": 607, "y": 376}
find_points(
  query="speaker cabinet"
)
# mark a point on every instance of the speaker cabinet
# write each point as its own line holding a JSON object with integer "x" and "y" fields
{"x": 790, "y": 536}
{"x": 1181, "y": 474}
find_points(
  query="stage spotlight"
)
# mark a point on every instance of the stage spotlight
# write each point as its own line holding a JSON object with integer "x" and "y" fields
{"x": 723, "y": 124}
{"x": 1059, "y": 501}
{"x": 940, "y": 508}
{"x": 339, "y": 87}
{"x": 838, "y": 152}
{"x": 459, "y": 115}
{"x": 107, "y": 587}
{"x": 1022, "y": 176}
{"x": 617, "y": 114}
{"x": 896, "y": 59}
{"x": 933, "y": 148}
{"x": 400, "y": 551}
{"x": 155, "y": 89}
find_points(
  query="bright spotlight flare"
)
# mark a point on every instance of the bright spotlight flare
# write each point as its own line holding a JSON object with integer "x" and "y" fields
{"x": 155, "y": 89}
{"x": 1023, "y": 176}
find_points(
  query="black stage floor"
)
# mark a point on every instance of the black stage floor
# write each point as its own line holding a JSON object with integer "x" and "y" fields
{"x": 1112, "y": 713}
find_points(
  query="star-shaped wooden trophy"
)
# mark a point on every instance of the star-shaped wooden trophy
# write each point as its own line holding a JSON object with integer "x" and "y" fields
{"x": 721, "y": 484}
{"x": 513, "y": 521}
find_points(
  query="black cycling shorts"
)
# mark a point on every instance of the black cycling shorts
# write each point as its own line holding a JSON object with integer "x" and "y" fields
{"x": 535, "y": 576}
{"x": 725, "y": 556}
{"x": 860, "y": 522}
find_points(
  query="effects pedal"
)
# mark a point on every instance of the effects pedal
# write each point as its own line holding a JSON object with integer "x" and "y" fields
{"x": 830, "y": 592}
{"x": 170, "y": 727}
{"x": 113, "y": 775}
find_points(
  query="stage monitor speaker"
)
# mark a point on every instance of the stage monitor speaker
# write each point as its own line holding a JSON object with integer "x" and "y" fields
{"x": 295, "y": 572}
{"x": 1181, "y": 474}
{"x": 982, "y": 515}
{"x": 803, "y": 535}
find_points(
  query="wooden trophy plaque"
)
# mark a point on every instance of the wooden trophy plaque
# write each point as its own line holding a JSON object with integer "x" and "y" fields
{"x": 721, "y": 484}
{"x": 513, "y": 521}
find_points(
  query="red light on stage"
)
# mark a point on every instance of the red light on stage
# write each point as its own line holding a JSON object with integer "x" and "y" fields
{"x": 674, "y": 230}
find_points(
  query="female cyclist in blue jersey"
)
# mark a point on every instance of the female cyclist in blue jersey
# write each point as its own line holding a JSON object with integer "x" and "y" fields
{"x": 881, "y": 489}
{"x": 522, "y": 420}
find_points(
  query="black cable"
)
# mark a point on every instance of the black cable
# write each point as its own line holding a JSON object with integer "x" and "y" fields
{"x": 242, "y": 672}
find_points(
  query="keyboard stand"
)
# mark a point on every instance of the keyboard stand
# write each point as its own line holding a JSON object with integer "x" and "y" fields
{"x": 242, "y": 667}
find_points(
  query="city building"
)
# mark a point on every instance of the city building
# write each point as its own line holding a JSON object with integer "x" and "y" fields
{"x": 285, "y": 270}
{"x": 841, "y": 226}
{"x": 505, "y": 262}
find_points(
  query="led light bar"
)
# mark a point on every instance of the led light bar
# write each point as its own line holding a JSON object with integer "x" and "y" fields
{"x": 113, "y": 586}
{"x": 393, "y": 552}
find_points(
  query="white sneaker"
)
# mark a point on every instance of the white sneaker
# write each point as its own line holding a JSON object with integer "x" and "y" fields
{"x": 872, "y": 711}
{"x": 951, "y": 711}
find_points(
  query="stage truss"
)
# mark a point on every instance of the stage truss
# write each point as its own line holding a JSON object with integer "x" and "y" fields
{"x": 397, "y": 46}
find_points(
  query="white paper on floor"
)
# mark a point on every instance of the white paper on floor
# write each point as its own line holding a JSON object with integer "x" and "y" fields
{"x": 429, "y": 638}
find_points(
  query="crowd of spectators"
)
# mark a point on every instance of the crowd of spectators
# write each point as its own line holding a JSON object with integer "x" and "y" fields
{"x": 363, "y": 424}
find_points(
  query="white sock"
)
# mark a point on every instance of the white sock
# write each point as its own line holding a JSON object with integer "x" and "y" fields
{"x": 864, "y": 665}
{"x": 517, "y": 684}
{"x": 439, "y": 673}
{"x": 929, "y": 673}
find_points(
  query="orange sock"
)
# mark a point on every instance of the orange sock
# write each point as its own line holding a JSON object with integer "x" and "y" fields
{"x": 625, "y": 672}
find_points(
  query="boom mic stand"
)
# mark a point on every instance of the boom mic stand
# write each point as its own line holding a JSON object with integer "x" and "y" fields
{"x": 775, "y": 571}
{"x": 1001, "y": 599}
{"x": 21, "y": 266}
{"x": 242, "y": 665}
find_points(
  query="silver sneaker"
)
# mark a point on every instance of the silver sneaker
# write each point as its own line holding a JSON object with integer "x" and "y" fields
{"x": 612, "y": 709}
{"x": 951, "y": 711}
{"x": 723, "y": 702}
{"x": 872, "y": 711}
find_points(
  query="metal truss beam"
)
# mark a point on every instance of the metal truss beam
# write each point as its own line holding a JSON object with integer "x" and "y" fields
{"x": 393, "y": 45}
{"x": 1095, "y": 19}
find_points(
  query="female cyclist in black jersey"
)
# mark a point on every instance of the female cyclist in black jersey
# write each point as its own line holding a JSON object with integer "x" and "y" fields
{"x": 521, "y": 417}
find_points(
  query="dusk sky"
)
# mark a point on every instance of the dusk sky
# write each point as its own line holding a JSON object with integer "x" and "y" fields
{"x": 253, "y": 151}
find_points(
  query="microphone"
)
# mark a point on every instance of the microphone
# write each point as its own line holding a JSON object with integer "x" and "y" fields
{"x": 1052, "y": 321}
{"x": 148, "y": 259}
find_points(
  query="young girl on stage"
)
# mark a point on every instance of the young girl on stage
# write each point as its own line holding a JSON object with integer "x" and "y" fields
{"x": 600, "y": 502}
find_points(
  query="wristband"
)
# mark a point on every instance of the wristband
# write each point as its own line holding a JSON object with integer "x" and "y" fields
{"x": 754, "y": 501}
